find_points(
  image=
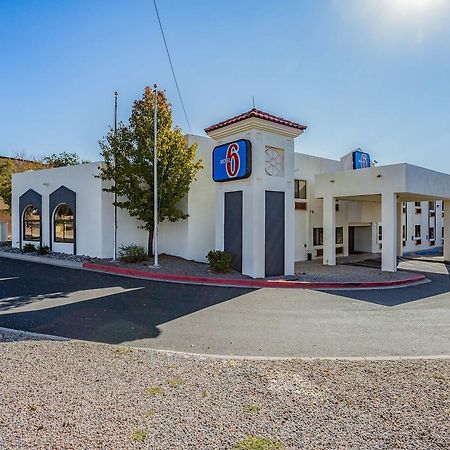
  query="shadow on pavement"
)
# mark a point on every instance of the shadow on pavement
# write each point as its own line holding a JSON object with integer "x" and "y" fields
{"x": 439, "y": 284}
{"x": 437, "y": 273}
{"x": 114, "y": 318}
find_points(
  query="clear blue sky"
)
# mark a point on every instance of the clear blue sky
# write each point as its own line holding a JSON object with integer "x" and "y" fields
{"x": 373, "y": 74}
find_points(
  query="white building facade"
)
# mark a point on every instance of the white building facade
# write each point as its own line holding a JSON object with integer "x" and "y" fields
{"x": 286, "y": 206}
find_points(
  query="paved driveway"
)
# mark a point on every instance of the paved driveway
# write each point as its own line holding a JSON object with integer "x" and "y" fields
{"x": 227, "y": 321}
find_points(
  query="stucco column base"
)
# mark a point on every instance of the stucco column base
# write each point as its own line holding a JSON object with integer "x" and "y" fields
{"x": 399, "y": 229}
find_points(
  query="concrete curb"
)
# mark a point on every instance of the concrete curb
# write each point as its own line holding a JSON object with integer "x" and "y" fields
{"x": 229, "y": 357}
{"x": 42, "y": 260}
{"x": 252, "y": 284}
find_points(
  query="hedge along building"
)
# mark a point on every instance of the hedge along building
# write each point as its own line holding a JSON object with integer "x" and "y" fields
{"x": 256, "y": 198}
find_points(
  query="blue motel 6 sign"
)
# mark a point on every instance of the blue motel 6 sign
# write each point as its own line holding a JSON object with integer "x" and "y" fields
{"x": 232, "y": 161}
{"x": 361, "y": 160}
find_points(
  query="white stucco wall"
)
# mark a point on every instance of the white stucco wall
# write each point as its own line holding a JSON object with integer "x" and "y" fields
{"x": 80, "y": 179}
{"x": 192, "y": 238}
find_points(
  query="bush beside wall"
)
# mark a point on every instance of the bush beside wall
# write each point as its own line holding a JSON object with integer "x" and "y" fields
{"x": 219, "y": 261}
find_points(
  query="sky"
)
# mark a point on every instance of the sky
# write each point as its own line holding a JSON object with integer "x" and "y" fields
{"x": 373, "y": 74}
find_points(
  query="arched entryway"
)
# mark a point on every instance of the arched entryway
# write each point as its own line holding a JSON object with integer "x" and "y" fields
{"x": 30, "y": 213}
{"x": 62, "y": 214}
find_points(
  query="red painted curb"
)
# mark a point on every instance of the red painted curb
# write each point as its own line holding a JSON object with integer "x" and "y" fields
{"x": 249, "y": 283}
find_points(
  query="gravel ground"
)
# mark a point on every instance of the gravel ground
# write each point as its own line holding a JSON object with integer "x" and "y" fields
{"x": 72, "y": 395}
{"x": 6, "y": 247}
{"x": 316, "y": 271}
{"x": 175, "y": 265}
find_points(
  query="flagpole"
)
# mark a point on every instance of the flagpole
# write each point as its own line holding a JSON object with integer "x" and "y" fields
{"x": 115, "y": 193}
{"x": 155, "y": 181}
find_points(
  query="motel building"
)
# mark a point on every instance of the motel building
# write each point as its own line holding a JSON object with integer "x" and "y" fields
{"x": 256, "y": 198}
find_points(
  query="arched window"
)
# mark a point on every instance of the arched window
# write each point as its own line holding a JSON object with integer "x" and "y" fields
{"x": 63, "y": 224}
{"x": 31, "y": 224}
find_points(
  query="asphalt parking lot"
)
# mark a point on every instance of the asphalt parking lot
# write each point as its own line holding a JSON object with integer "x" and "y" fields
{"x": 413, "y": 321}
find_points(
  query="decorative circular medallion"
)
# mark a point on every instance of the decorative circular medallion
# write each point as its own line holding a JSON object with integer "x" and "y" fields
{"x": 274, "y": 162}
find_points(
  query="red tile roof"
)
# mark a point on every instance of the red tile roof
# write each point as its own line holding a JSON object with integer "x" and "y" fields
{"x": 258, "y": 114}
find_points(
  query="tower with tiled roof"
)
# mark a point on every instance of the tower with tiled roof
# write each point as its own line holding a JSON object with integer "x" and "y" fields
{"x": 255, "y": 207}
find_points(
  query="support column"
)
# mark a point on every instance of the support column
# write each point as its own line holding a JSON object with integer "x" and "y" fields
{"x": 446, "y": 223}
{"x": 399, "y": 229}
{"x": 329, "y": 231}
{"x": 390, "y": 232}
{"x": 374, "y": 234}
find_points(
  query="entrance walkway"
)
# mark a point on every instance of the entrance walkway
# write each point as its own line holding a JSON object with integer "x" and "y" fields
{"x": 353, "y": 268}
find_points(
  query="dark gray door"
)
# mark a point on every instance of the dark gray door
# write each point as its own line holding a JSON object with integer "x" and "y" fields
{"x": 274, "y": 233}
{"x": 351, "y": 240}
{"x": 233, "y": 228}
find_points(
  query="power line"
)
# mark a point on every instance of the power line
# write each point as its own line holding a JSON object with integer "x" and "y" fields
{"x": 171, "y": 66}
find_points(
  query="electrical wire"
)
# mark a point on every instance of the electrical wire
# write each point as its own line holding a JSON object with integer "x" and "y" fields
{"x": 171, "y": 65}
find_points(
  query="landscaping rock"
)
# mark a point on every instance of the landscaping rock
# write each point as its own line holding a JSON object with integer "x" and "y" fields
{"x": 76, "y": 395}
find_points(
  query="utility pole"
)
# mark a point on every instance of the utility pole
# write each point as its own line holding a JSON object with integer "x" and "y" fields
{"x": 155, "y": 181}
{"x": 115, "y": 193}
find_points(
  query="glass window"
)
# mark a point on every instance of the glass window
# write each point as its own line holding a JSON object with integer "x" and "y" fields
{"x": 380, "y": 233}
{"x": 431, "y": 233}
{"x": 300, "y": 189}
{"x": 317, "y": 236}
{"x": 339, "y": 235}
{"x": 418, "y": 231}
{"x": 63, "y": 224}
{"x": 31, "y": 224}
{"x": 404, "y": 231}
{"x": 417, "y": 204}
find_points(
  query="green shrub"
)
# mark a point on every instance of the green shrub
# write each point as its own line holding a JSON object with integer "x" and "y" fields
{"x": 28, "y": 248}
{"x": 43, "y": 250}
{"x": 132, "y": 253}
{"x": 219, "y": 261}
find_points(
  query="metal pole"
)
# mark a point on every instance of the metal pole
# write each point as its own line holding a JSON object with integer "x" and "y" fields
{"x": 115, "y": 193}
{"x": 155, "y": 181}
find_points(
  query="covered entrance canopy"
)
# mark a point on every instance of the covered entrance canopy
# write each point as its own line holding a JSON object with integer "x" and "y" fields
{"x": 391, "y": 185}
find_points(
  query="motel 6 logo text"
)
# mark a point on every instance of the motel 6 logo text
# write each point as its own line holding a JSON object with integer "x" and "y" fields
{"x": 364, "y": 161}
{"x": 232, "y": 160}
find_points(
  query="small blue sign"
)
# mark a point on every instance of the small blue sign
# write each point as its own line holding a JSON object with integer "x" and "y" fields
{"x": 232, "y": 161}
{"x": 361, "y": 160}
